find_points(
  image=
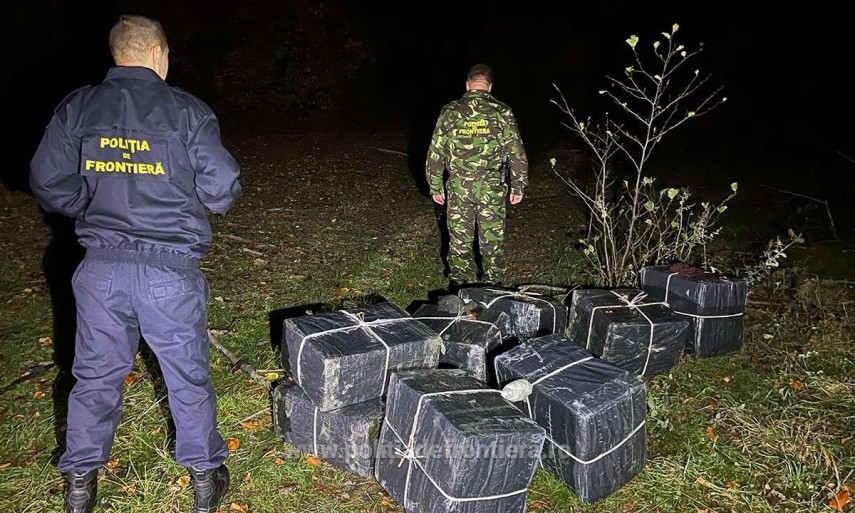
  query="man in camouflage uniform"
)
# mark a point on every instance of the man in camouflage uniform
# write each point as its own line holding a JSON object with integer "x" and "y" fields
{"x": 471, "y": 136}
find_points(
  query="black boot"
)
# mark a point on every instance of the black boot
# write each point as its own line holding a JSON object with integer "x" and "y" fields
{"x": 209, "y": 486}
{"x": 82, "y": 490}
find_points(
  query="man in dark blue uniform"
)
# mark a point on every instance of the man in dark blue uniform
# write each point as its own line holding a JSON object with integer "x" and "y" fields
{"x": 138, "y": 164}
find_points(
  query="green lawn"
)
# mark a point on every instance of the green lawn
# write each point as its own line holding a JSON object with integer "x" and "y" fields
{"x": 326, "y": 219}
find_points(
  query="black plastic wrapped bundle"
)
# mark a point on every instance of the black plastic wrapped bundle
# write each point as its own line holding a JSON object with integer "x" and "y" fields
{"x": 344, "y": 357}
{"x": 593, "y": 412}
{"x": 625, "y": 328}
{"x": 468, "y": 337}
{"x": 532, "y": 315}
{"x": 346, "y": 438}
{"x": 450, "y": 445}
{"x": 454, "y": 305}
{"x": 713, "y": 303}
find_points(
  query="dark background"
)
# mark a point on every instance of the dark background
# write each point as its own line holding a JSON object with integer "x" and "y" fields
{"x": 265, "y": 66}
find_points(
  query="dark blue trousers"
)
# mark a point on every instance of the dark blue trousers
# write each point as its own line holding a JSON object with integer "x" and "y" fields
{"x": 120, "y": 295}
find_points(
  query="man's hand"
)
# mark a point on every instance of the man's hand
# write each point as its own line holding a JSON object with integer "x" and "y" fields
{"x": 439, "y": 199}
{"x": 516, "y": 198}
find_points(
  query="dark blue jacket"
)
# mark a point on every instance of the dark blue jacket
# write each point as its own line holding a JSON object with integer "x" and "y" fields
{"x": 136, "y": 162}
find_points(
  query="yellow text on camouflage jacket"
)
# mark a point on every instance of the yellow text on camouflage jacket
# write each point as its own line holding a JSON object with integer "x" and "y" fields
{"x": 470, "y": 138}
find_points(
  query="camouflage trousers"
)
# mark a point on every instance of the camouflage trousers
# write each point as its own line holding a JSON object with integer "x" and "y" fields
{"x": 475, "y": 206}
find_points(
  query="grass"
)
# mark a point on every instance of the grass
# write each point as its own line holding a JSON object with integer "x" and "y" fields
{"x": 326, "y": 221}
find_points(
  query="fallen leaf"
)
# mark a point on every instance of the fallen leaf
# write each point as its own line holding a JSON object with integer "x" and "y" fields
{"x": 131, "y": 489}
{"x": 37, "y": 414}
{"x": 236, "y": 506}
{"x": 387, "y": 501}
{"x": 840, "y": 499}
{"x": 728, "y": 379}
{"x": 5, "y": 465}
{"x": 271, "y": 376}
{"x": 279, "y": 461}
{"x": 38, "y": 395}
{"x": 629, "y": 507}
{"x": 247, "y": 477}
{"x": 731, "y": 484}
{"x": 795, "y": 384}
{"x": 233, "y": 444}
{"x": 703, "y": 510}
{"x": 702, "y": 482}
{"x": 112, "y": 464}
{"x": 344, "y": 290}
{"x": 313, "y": 460}
{"x": 183, "y": 481}
{"x": 251, "y": 425}
{"x": 712, "y": 402}
{"x": 132, "y": 378}
{"x": 27, "y": 290}
{"x": 711, "y": 434}
{"x": 46, "y": 341}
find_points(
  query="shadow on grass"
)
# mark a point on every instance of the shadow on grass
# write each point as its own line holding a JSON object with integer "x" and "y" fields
{"x": 62, "y": 256}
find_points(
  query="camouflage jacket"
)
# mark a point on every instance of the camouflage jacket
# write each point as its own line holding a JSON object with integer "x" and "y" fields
{"x": 470, "y": 137}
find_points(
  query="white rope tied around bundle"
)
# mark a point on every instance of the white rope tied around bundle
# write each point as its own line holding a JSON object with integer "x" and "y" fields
{"x": 462, "y": 315}
{"x": 634, "y": 303}
{"x": 315, "y": 433}
{"x": 361, "y": 323}
{"x": 696, "y": 316}
{"x": 513, "y": 392}
{"x": 523, "y": 293}
{"x": 549, "y": 439}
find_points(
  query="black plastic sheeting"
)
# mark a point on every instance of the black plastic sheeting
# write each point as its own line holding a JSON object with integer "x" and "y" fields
{"x": 468, "y": 337}
{"x": 590, "y": 408}
{"x": 454, "y": 305}
{"x": 471, "y": 445}
{"x": 605, "y": 323}
{"x": 346, "y": 438}
{"x": 712, "y": 302}
{"x": 532, "y": 315}
{"x": 346, "y": 365}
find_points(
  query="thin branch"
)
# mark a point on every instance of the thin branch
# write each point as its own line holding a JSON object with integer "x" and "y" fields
{"x": 633, "y": 91}
{"x": 237, "y": 362}
{"x": 393, "y": 152}
{"x": 235, "y": 237}
{"x": 817, "y": 200}
{"x": 34, "y": 372}
{"x": 845, "y": 156}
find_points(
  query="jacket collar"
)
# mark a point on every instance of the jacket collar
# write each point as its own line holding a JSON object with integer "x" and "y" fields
{"x": 135, "y": 72}
{"x": 474, "y": 93}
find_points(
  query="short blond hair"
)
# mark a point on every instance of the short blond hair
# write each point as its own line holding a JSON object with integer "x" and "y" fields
{"x": 133, "y": 36}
